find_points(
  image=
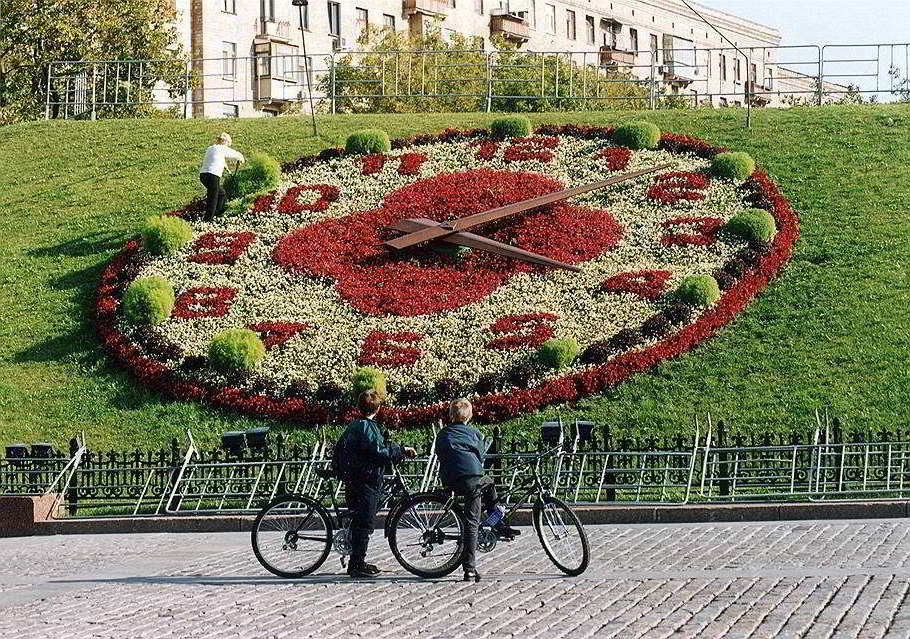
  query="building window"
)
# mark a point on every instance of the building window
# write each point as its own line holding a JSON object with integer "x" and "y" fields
{"x": 286, "y": 62}
{"x": 306, "y": 16}
{"x": 633, "y": 39}
{"x": 549, "y": 11}
{"x": 334, "y": 19}
{"x": 722, "y": 65}
{"x": 769, "y": 78}
{"x": 737, "y": 70}
{"x": 267, "y": 10}
{"x": 362, "y": 19}
{"x": 388, "y": 22}
{"x": 230, "y": 111}
{"x": 753, "y": 73}
{"x": 230, "y": 6}
{"x": 589, "y": 29}
{"x": 655, "y": 51}
{"x": 228, "y": 60}
{"x": 570, "y": 24}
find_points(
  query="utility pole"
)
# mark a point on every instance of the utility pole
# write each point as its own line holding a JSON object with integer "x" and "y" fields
{"x": 300, "y": 4}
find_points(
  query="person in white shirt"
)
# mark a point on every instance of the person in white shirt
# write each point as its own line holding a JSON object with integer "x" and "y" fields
{"x": 216, "y": 158}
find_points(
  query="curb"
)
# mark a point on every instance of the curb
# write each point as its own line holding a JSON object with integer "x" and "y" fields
{"x": 701, "y": 513}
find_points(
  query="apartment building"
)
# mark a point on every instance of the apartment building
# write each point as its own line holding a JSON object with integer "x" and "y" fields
{"x": 249, "y": 53}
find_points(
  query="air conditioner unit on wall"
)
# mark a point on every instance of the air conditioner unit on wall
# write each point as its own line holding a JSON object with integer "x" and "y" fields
{"x": 339, "y": 44}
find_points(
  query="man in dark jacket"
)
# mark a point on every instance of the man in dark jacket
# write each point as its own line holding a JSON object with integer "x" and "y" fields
{"x": 362, "y": 458}
{"x": 460, "y": 449}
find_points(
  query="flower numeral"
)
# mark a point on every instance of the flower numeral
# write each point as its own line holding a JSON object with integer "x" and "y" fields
{"x": 516, "y": 331}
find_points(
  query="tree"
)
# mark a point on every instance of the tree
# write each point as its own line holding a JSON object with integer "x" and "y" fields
{"x": 35, "y": 33}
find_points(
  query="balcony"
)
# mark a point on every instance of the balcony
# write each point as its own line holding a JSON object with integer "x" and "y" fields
{"x": 432, "y": 8}
{"x": 613, "y": 57}
{"x": 677, "y": 74}
{"x": 511, "y": 27}
{"x": 757, "y": 93}
{"x": 272, "y": 30}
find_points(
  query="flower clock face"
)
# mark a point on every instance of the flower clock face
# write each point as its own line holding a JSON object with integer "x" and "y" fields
{"x": 428, "y": 264}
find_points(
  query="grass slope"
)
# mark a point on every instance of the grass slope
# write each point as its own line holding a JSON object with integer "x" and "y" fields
{"x": 834, "y": 329}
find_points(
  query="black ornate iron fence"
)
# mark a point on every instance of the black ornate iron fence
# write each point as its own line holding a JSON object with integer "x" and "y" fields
{"x": 595, "y": 466}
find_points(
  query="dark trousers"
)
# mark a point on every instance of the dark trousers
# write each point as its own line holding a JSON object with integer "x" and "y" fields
{"x": 477, "y": 492}
{"x": 362, "y": 500}
{"x": 214, "y": 194}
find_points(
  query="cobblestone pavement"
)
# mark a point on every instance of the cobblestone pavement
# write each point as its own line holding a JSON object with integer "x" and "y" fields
{"x": 794, "y": 579}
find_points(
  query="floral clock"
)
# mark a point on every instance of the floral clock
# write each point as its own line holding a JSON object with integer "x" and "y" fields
{"x": 374, "y": 260}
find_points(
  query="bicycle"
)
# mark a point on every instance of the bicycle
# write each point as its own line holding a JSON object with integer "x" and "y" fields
{"x": 427, "y": 529}
{"x": 293, "y": 534}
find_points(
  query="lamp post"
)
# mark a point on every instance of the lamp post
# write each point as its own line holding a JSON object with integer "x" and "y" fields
{"x": 300, "y": 4}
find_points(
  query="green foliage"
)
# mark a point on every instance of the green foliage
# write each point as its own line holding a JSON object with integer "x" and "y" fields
{"x": 165, "y": 234}
{"x": 261, "y": 173}
{"x": 752, "y": 224}
{"x": 34, "y": 34}
{"x": 638, "y": 135}
{"x": 512, "y": 126}
{"x": 698, "y": 290}
{"x": 236, "y": 350}
{"x": 420, "y": 82}
{"x": 368, "y": 141}
{"x": 734, "y": 165}
{"x": 368, "y": 378}
{"x": 148, "y": 300}
{"x": 558, "y": 353}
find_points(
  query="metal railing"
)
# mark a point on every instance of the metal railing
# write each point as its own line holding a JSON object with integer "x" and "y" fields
{"x": 476, "y": 80}
{"x": 593, "y": 469}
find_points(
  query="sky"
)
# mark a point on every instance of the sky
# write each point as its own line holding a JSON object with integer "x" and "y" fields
{"x": 826, "y": 21}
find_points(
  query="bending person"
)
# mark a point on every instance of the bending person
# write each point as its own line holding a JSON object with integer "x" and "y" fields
{"x": 213, "y": 164}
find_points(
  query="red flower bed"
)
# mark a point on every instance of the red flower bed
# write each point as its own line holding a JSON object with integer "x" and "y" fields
{"x": 616, "y": 158}
{"x": 390, "y": 350}
{"x": 702, "y": 231}
{"x": 529, "y": 329}
{"x": 221, "y": 247}
{"x": 759, "y": 190}
{"x": 670, "y": 188}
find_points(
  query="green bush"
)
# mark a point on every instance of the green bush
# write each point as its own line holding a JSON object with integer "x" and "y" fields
{"x": 513, "y": 126}
{"x": 637, "y": 135}
{"x": 558, "y": 353}
{"x": 148, "y": 300}
{"x": 165, "y": 234}
{"x": 260, "y": 173}
{"x": 752, "y": 225}
{"x": 698, "y": 290}
{"x": 734, "y": 165}
{"x": 236, "y": 349}
{"x": 368, "y": 378}
{"x": 368, "y": 141}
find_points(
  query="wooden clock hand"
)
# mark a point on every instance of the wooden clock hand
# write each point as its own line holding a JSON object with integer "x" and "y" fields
{"x": 462, "y": 224}
{"x": 482, "y": 243}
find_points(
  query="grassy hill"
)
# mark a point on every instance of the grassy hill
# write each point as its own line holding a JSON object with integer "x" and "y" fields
{"x": 834, "y": 329}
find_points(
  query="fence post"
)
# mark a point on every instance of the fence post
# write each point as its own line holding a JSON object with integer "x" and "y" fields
{"x": 47, "y": 98}
{"x": 332, "y": 89}
{"x": 94, "y": 115}
{"x": 652, "y": 85}
{"x": 821, "y": 75}
{"x": 609, "y": 476}
{"x": 73, "y": 492}
{"x": 489, "y": 82}
{"x": 186, "y": 89}
{"x": 722, "y": 459}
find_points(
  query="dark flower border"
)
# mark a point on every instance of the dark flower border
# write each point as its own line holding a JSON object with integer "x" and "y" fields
{"x": 759, "y": 190}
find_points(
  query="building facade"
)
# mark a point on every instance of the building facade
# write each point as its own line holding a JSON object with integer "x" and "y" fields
{"x": 248, "y": 53}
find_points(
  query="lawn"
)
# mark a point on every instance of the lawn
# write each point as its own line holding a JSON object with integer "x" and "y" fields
{"x": 834, "y": 329}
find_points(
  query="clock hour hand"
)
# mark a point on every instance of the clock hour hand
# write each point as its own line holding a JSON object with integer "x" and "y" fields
{"x": 462, "y": 224}
{"x": 482, "y": 243}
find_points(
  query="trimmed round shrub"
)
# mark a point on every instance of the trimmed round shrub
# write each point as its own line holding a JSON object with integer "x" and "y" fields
{"x": 165, "y": 234}
{"x": 698, "y": 290}
{"x": 752, "y": 225}
{"x": 734, "y": 165}
{"x": 637, "y": 135}
{"x": 260, "y": 173}
{"x": 558, "y": 353}
{"x": 368, "y": 141}
{"x": 368, "y": 378}
{"x": 513, "y": 126}
{"x": 148, "y": 300}
{"x": 236, "y": 350}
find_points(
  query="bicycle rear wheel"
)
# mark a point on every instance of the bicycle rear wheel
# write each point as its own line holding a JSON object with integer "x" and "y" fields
{"x": 427, "y": 538}
{"x": 292, "y": 536}
{"x": 562, "y": 536}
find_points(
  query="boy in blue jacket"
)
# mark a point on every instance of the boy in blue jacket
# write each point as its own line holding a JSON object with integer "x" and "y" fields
{"x": 362, "y": 457}
{"x": 460, "y": 449}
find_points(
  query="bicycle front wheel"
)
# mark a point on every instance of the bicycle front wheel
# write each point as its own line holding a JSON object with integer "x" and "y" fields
{"x": 292, "y": 536}
{"x": 426, "y": 536}
{"x": 562, "y": 536}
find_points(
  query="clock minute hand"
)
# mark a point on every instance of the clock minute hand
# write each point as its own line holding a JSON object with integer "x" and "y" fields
{"x": 491, "y": 215}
